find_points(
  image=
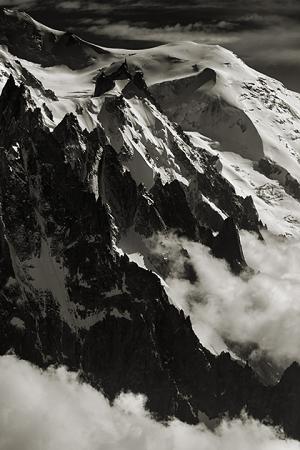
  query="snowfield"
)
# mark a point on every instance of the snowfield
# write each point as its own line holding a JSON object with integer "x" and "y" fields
{"x": 226, "y": 107}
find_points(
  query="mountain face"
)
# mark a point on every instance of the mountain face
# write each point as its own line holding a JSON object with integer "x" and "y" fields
{"x": 26, "y": 38}
{"x": 94, "y": 163}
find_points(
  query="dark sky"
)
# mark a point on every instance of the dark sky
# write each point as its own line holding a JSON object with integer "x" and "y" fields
{"x": 265, "y": 33}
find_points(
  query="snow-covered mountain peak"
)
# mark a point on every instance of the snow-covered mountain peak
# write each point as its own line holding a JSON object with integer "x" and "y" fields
{"x": 108, "y": 155}
{"x": 28, "y": 39}
{"x": 15, "y": 16}
{"x": 227, "y": 108}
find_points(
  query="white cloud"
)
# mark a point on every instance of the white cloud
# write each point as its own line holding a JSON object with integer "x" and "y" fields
{"x": 262, "y": 312}
{"x": 139, "y": 32}
{"x": 52, "y": 410}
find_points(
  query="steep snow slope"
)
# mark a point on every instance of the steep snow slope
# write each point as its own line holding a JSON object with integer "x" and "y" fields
{"x": 232, "y": 93}
{"x": 207, "y": 90}
{"x": 277, "y": 209}
{"x": 139, "y": 128}
{"x": 219, "y": 95}
{"x": 253, "y": 118}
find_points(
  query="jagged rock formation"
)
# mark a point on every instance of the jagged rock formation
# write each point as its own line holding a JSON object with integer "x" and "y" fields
{"x": 103, "y": 84}
{"x": 67, "y": 296}
{"x": 213, "y": 185}
{"x": 227, "y": 245}
{"x": 69, "y": 196}
{"x": 136, "y": 86}
{"x": 106, "y": 82}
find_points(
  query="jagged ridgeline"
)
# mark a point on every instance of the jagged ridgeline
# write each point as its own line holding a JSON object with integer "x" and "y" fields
{"x": 81, "y": 169}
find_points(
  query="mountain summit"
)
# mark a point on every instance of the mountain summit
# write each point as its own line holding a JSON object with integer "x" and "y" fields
{"x": 104, "y": 153}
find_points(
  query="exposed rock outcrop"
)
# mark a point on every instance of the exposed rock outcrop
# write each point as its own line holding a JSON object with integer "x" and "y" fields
{"x": 64, "y": 198}
{"x": 227, "y": 245}
{"x": 276, "y": 172}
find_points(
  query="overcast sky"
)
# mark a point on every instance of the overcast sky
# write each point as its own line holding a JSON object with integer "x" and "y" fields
{"x": 265, "y": 33}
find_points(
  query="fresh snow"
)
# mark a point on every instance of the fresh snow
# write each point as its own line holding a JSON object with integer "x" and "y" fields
{"x": 239, "y": 114}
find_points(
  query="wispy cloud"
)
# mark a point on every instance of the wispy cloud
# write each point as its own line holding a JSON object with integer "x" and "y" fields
{"x": 197, "y": 32}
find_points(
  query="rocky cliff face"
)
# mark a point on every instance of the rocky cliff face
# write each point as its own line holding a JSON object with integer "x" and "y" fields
{"x": 69, "y": 295}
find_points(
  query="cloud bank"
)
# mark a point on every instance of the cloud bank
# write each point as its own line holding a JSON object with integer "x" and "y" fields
{"x": 258, "y": 315}
{"x": 52, "y": 410}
